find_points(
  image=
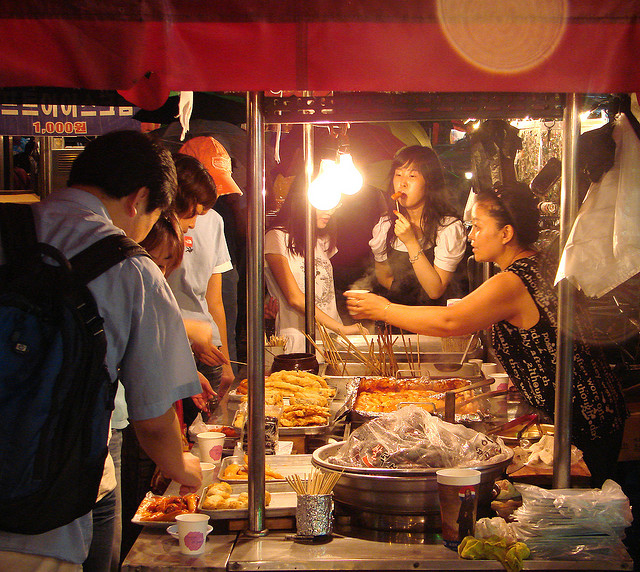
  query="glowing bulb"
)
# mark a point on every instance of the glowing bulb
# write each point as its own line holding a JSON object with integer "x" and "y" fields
{"x": 468, "y": 175}
{"x": 351, "y": 180}
{"x": 324, "y": 191}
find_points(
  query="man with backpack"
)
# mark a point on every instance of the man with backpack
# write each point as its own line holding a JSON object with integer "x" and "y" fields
{"x": 119, "y": 184}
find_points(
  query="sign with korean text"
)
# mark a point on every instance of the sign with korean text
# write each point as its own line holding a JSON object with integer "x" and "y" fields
{"x": 57, "y": 120}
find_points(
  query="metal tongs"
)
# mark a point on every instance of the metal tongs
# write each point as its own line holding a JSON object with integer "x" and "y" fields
{"x": 525, "y": 420}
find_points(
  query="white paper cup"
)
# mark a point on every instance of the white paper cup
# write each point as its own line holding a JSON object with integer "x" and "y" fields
{"x": 210, "y": 445}
{"x": 207, "y": 473}
{"x": 192, "y": 533}
{"x": 350, "y": 293}
{"x": 488, "y": 368}
{"x": 458, "y": 496}
{"x": 501, "y": 381}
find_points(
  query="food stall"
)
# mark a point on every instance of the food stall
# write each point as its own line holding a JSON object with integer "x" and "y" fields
{"x": 254, "y": 48}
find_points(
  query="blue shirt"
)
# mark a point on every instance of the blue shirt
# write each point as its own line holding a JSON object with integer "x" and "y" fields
{"x": 146, "y": 341}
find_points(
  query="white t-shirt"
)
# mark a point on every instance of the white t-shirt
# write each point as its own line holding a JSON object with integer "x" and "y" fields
{"x": 205, "y": 253}
{"x": 289, "y": 323}
{"x": 451, "y": 243}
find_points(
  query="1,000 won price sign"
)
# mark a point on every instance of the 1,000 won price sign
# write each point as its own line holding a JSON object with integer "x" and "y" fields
{"x": 60, "y": 128}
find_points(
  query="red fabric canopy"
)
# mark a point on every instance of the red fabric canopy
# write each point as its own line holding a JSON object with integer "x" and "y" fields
{"x": 587, "y": 46}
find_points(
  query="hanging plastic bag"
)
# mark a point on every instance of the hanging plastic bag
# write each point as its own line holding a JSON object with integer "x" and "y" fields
{"x": 603, "y": 249}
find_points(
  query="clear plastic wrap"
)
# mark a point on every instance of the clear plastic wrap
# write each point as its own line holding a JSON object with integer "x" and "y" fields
{"x": 413, "y": 438}
{"x": 580, "y": 524}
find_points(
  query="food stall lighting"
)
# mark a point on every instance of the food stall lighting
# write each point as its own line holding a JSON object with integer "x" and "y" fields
{"x": 476, "y": 125}
{"x": 468, "y": 175}
{"x": 324, "y": 191}
{"x": 349, "y": 177}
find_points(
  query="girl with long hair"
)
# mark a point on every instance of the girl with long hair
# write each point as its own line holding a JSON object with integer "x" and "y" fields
{"x": 284, "y": 248}
{"x": 416, "y": 254}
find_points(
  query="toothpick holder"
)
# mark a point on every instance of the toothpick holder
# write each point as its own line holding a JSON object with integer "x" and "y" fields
{"x": 314, "y": 515}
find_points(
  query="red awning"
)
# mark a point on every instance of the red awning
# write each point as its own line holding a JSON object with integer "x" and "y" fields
{"x": 587, "y": 46}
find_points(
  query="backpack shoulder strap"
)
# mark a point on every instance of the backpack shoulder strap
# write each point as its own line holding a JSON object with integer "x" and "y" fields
{"x": 103, "y": 254}
{"x": 18, "y": 232}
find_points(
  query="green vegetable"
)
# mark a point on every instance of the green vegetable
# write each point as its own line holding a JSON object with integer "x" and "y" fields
{"x": 494, "y": 548}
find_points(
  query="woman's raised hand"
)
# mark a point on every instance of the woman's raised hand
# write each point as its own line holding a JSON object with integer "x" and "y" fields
{"x": 403, "y": 229}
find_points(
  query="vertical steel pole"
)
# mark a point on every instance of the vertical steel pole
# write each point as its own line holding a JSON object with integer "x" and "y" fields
{"x": 255, "y": 314}
{"x": 310, "y": 242}
{"x": 564, "y": 353}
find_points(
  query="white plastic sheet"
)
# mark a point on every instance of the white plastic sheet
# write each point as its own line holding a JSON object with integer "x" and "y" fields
{"x": 603, "y": 249}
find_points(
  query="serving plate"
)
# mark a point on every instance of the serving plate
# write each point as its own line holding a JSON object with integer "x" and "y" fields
{"x": 172, "y": 490}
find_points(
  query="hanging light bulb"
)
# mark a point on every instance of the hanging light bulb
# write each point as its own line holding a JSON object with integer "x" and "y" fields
{"x": 351, "y": 180}
{"x": 324, "y": 191}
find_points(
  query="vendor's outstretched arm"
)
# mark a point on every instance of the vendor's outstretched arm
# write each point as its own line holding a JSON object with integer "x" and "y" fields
{"x": 502, "y": 297}
{"x": 281, "y": 271}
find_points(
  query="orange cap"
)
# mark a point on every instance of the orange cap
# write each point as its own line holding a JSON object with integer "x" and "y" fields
{"x": 215, "y": 158}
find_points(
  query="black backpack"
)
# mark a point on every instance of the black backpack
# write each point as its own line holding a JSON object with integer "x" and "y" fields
{"x": 56, "y": 397}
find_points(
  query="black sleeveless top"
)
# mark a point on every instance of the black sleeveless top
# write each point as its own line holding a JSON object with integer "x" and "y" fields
{"x": 529, "y": 357}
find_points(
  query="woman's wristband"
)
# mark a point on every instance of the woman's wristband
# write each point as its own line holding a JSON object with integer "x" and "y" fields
{"x": 384, "y": 312}
{"x": 414, "y": 259}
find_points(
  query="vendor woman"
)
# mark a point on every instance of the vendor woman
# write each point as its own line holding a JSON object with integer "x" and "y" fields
{"x": 520, "y": 304}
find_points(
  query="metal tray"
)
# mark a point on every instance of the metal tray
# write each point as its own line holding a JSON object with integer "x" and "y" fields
{"x": 284, "y": 464}
{"x": 308, "y": 430}
{"x": 283, "y": 502}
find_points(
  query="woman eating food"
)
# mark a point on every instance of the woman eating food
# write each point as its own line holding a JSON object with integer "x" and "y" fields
{"x": 416, "y": 254}
{"x": 520, "y": 305}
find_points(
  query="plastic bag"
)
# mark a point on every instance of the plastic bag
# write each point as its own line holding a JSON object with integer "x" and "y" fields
{"x": 496, "y": 526}
{"x": 603, "y": 249}
{"x": 413, "y": 438}
{"x": 574, "y": 511}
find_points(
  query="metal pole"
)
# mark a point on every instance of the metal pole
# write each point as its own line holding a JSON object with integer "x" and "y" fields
{"x": 310, "y": 242}
{"x": 255, "y": 314}
{"x": 564, "y": 353}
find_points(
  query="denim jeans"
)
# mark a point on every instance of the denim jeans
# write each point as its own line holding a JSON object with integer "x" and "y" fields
{"x": 104, "y": 516}
{"x": 115, "y": 450}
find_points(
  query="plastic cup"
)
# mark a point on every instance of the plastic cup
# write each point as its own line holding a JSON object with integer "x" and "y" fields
{"x": 210, "y": 445}
{"x": 477, "y": 361}
{"x": 192, "y": 533}
{"x": 458, "y": 495}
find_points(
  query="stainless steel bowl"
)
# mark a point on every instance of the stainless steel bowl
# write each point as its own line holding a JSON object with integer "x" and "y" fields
{"x": 397, "y": 491}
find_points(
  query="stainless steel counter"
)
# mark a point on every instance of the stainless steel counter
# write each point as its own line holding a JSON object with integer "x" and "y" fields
{"x": 155, "y": 550}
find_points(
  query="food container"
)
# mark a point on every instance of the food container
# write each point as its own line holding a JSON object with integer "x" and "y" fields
{"x": 295, "y": 362}
{"x": 398, "y": 491}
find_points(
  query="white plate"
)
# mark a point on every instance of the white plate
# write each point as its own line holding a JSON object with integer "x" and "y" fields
{"x": 173, "y": 530}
